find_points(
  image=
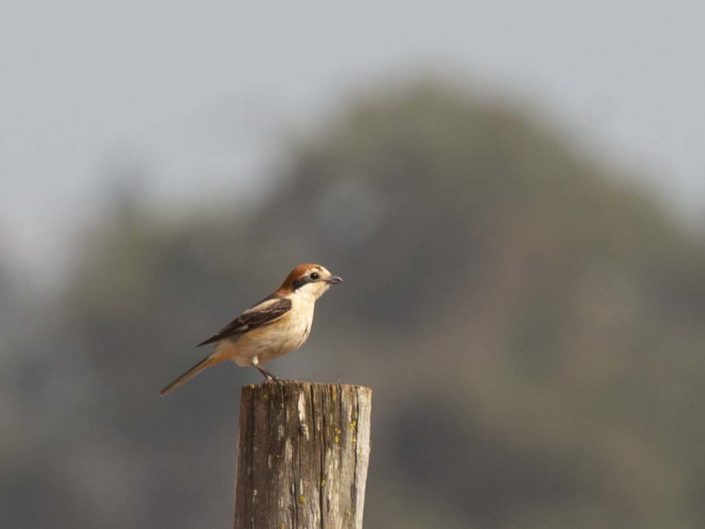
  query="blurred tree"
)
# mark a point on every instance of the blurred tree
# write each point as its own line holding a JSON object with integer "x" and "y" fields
{"x": 532, "y": 326}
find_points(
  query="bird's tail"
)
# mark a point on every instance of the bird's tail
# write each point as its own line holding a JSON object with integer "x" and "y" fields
{"x": 207, "y": 362}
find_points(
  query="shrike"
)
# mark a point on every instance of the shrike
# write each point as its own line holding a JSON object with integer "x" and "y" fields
{"x": 277, "y": 325}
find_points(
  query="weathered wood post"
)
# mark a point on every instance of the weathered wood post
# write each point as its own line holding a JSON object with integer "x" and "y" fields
{"x": 302, "y": 456}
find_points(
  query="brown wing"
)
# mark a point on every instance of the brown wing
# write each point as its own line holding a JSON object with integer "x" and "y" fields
{"x": 265, "y": 312}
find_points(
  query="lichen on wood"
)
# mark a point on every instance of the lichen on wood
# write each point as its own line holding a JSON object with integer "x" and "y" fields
{"x": 303, "y": 453}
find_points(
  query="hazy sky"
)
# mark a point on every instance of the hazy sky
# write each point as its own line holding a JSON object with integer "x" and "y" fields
{"x": 200, "y": 91}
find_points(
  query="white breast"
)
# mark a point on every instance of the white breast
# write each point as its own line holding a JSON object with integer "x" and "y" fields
{"x": 301, "y": 321}
{"x": 281, "y": 337}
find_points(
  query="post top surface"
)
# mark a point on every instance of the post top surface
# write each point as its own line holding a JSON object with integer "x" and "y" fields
{"x": 303, "y": 384}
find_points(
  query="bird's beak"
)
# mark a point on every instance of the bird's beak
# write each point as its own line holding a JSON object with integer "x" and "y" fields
{"x": 334, "y": 280}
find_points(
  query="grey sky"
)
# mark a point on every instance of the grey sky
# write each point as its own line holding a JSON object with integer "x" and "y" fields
{"x": 199, "y": 90}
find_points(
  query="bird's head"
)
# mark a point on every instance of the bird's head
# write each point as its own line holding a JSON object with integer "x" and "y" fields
{"x": 310, "y": 280}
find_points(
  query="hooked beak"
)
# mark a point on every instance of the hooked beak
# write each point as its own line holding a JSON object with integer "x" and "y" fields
{"x": 334, "y": 280}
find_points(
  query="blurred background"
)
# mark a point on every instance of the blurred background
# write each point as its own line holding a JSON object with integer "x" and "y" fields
{"x": 513, "y": 192}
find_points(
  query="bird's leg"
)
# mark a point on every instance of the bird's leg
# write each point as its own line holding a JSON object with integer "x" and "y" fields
{"x": 268, "y": 377}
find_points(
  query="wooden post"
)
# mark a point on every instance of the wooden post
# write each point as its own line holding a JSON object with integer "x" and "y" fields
{"x": 302, "y": 456}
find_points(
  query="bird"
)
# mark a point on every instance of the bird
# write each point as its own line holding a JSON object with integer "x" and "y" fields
{"x": 276, "y": 325}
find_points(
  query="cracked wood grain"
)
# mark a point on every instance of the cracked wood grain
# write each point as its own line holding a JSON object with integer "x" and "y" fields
{"x": 302, "y": 456}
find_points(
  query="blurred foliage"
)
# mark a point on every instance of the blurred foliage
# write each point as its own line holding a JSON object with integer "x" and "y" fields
{"x": 531, "y": 324}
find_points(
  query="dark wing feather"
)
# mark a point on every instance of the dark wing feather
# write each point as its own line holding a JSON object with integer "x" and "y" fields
{"x": 251, "y": 319}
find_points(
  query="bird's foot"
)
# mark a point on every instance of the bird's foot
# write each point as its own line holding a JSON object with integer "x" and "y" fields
{"x": 268, "y": 377}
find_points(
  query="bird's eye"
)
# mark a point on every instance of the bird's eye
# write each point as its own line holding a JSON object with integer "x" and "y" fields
{"x": 314, "y": 276}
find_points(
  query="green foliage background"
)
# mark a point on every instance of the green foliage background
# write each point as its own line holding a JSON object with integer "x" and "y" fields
{"x": 531, "y": 323}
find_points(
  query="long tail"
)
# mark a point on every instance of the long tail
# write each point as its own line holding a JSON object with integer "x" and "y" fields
{"x": 207, "y": 362}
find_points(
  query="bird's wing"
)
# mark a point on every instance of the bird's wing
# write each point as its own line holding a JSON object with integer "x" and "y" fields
{"x": 265, "y": 312}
